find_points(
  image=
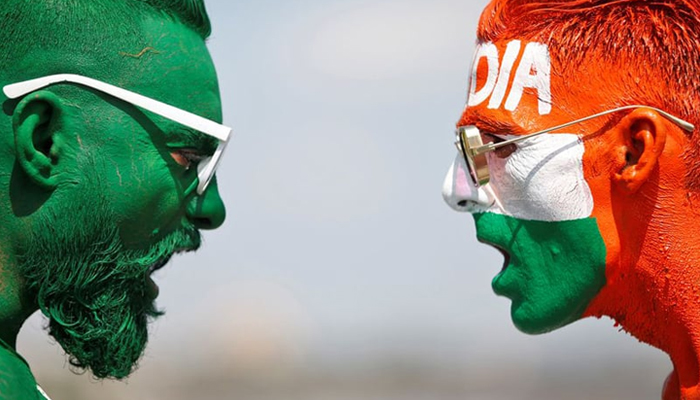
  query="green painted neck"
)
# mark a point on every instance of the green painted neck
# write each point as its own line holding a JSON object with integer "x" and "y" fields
{"x": 15, "y": 306}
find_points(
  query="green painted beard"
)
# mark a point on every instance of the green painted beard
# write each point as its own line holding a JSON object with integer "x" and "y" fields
{"x": 553, "y": 269}
{"x": 95, "y": 292}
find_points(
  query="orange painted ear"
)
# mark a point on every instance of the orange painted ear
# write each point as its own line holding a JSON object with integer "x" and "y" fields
{"x": 642, "y": 135}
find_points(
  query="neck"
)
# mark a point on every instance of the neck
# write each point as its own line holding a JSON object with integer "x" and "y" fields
{"x": 655, "y": 296}
{"x": 15, "y": 307}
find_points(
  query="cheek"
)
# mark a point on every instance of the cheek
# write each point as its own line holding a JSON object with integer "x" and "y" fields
{"x": 599, "y": 165}
{"x": 543, "y": 180}
{"x": 150, "y": 212}
{"x": 142, "y": 192}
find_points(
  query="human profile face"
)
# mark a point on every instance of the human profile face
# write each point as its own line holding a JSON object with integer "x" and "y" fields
{"x": 150, "y": 172}
{"x": 127, "y": 209}
{"x": 538, "y": 208}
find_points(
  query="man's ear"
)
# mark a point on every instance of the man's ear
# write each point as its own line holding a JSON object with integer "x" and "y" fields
{"x": 35, "y": 121}
{"x": 642, "y": 135}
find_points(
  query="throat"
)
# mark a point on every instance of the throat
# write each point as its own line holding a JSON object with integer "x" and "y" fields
{"x": 15, "y": 305}
{"x": 662, "y": 310}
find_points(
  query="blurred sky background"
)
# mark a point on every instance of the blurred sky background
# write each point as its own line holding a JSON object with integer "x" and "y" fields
{"x": 340, "y": 273}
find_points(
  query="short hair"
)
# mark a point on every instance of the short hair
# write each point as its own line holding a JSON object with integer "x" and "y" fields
{"x": 103, "y": 39}
{"x": 91, "y": 28}
{"x": 658, "y": 39}
{"x": 192, "y": 13}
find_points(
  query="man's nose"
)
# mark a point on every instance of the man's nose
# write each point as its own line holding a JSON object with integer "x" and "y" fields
{"x": 207, "y": 211}
{"x": 460, "y": 192}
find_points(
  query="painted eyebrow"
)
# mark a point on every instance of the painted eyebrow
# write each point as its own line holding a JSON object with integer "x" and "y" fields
{"x": 495, "y": 127}
{"x": 201, "y": 140}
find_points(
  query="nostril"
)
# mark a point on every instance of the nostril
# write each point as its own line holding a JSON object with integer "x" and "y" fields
{"x": 462, "y": 203}
{"x": 203, "y": 223}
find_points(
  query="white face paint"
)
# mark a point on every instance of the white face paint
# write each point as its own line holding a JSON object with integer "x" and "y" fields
{"x": 535, "y": 59}
{"x": 542, "y": 180}
{"x": 489, "y": 51}
{"x": 499, "y": 92}
{"x": 533, "y": 72}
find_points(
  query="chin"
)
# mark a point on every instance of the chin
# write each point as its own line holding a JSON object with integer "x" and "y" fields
{"x": 534, "y": 320}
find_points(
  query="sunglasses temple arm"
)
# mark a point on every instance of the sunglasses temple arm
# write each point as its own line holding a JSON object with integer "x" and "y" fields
{"x": 183, "y": 117}
{"x": 687, "y": 126}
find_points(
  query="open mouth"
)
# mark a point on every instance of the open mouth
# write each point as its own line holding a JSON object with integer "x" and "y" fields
{"x": 153, "y": 287}
{"x": 506, "y": 258}
{"x": 159, "y": 264}
{"x": 504, "y": 252}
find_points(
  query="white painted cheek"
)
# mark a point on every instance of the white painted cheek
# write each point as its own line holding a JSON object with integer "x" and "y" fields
{"x": 459, "y": 191}
{"x": 543, "y": 180}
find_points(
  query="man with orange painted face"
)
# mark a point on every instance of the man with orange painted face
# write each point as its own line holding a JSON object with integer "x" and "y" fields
{"x": 578, "y": 158}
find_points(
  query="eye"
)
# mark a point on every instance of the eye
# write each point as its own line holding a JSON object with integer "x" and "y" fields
{"x": 187, "y": 157}
{"x": 501, "y": 152}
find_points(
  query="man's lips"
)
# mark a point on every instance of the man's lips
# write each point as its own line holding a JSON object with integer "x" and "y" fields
{"x": 161, "y": 263}
{"x": 158, "y": 265}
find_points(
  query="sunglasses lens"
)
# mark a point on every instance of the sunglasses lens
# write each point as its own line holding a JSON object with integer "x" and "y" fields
{"x": 465, "y": 153}
{"x": 470, "y": 138}
{"x": 207, "y": 168}
{"x": 204, "y": 174}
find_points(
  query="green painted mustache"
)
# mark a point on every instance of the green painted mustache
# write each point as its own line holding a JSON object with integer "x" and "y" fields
{"x": 94, "y": 291}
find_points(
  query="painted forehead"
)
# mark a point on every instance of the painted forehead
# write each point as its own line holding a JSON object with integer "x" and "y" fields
{"x": 511, "y": 74}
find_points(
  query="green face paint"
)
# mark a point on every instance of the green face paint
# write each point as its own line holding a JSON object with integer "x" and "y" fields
{"x": 83, "y": 231}
{"x": 90, "y": 270}
{"x": 96, "y": 293}
{"x": 554, "y": 269}
{"x": 119, "y": 208}
{"x": 143, "y": 183}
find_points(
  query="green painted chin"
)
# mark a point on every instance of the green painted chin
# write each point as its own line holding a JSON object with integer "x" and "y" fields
{"x": 554, "y": 271}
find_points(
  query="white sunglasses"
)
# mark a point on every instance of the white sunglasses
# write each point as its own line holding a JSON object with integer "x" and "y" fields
{"x": 205, "y": 168}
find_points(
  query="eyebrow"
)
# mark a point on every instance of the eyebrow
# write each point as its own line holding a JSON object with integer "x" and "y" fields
{"x": 490, "y": 125}
{"x": 202, "y": 140}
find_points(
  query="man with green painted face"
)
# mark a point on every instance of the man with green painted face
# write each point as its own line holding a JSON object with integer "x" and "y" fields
{"x": 110, "y": 136}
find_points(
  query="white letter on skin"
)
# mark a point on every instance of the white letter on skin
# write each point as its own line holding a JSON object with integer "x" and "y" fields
{"x": 490, "y": 51}
{"x": 535, "y": 57}
{"x": 509, "y": 58}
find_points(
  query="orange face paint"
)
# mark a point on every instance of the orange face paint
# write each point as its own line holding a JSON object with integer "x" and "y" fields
{"x": 637, "y": 166}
